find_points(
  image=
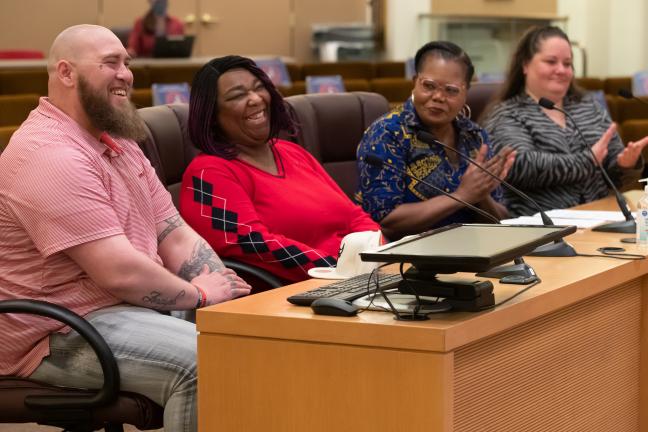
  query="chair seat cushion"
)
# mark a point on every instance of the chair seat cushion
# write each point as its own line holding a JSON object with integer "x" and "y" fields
{"x": 129, "y": 407}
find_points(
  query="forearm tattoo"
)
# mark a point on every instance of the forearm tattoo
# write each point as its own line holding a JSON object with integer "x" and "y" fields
{"x": 172, "y": 223}
{"x": 155, "y": 299}
{"x": 202, "y": 254}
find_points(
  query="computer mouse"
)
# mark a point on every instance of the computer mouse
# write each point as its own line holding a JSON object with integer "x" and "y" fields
{"x": 334, "y": 306}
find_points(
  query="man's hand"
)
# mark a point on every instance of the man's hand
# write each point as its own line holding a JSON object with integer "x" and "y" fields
{"x": 220, "y": 286}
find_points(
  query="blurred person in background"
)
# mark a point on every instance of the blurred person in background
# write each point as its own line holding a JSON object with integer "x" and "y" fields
{"x": 156, "y": 22}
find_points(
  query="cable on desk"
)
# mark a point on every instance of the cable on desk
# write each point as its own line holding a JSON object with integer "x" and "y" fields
{"x": 614, "y": 255}
{"x": 375, "y": 291}
{"x": 606, "y": 252}
{"x": 417, "y": 308}
{"x": 415, "y": 316}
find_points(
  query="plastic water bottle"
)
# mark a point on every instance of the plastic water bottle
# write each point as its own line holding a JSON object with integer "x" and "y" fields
{"x": 642, "y": 219}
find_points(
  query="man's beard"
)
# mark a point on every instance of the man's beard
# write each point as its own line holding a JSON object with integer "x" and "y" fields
{"x": 122, "y": 122}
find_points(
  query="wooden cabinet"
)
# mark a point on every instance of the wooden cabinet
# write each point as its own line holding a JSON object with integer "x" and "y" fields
{"x": 246, "y": 27}
{"x": 257, "y": 27}
{"x": 497, "y": 8}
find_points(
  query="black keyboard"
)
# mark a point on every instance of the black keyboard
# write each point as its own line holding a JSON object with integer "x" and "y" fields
{"x": 347, "y": 289}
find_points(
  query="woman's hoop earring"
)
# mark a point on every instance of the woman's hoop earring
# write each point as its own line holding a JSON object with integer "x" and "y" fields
{"x": 412, "y": 97}
{"x": 465, "y": 112}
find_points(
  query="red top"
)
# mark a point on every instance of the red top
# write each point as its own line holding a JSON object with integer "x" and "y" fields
{"x": 284, "y": 223}
{"x": 142, "y": 43}
{"x": 61, "y": 187}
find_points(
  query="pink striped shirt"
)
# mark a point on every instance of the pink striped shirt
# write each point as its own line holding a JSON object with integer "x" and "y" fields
{"x": 61, "y": 187}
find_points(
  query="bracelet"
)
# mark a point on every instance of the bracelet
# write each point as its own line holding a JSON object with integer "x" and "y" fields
{"x": 202, "y": 297}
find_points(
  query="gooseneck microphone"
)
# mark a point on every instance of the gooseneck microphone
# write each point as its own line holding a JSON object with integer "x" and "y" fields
{"x": 520, "y": 268}
{"x": 627, "y": 94}
{"x": 377, "y": 162}
{"x": 429, "y": 138}
{"x": 555, "y": 249}
{"x": 628, "y": 226}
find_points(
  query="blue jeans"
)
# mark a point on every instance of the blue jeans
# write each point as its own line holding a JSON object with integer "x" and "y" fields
{"x": 156, "y": 355}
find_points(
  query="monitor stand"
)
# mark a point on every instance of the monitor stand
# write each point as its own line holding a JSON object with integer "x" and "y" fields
{"x": 519, "y": 268}
{"x": 462, "y": 294}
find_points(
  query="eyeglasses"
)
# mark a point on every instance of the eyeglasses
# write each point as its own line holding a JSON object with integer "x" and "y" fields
{"x": 449, "y": 90}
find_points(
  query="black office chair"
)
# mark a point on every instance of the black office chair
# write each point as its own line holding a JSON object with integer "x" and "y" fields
{"x": 123, "y": 33}
{"x": 331, "y": 127}
{"x": 27, "y": 401}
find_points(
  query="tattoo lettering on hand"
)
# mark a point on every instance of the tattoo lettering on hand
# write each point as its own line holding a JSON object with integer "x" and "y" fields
{"x": 172, "y": 223}
{"x": 155, "y": 298}
{"x": 201, "y": 255}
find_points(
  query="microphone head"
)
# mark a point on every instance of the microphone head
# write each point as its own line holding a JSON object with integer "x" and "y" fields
{"x": 428, "y": 138}
{"x": 546, "y": 103}
{"x": 373, "y": 160}
{"x": 625, "y": 93}
{"x": 424, "y": 135}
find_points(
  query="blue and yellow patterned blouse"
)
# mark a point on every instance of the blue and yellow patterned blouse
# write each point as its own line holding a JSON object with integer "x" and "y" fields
{"x": 393, "y": 139}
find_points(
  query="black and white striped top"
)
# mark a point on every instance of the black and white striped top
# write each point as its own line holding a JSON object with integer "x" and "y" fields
{"x": 552, "y": 164}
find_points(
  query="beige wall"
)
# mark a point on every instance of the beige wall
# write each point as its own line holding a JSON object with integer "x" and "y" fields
{"x": 402, "y": 29}
{"x": 33, "y": 24}
{"x": 613, "y": 33}
{"x": 627, "y": 34}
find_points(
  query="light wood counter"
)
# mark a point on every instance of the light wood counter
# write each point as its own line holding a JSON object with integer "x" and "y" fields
{"x": 565, "y": 355}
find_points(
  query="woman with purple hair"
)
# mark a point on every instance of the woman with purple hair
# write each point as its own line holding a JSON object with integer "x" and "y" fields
{"x": 254, "y": 197}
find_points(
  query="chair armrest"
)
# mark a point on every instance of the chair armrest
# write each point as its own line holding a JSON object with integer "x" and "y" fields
{"x": 243, "y": 268}
{"x": 110, "y": 389}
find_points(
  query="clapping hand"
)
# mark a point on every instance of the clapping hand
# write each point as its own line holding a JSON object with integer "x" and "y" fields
{"x": 475, "y": 184}
{"x": 501, "y": 163}
{"x": 628, "y": 157}
{"x": 600, "y": 149}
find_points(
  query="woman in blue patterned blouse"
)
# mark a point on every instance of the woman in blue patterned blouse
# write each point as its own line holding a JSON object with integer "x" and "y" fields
{"x": 403, "y": 205}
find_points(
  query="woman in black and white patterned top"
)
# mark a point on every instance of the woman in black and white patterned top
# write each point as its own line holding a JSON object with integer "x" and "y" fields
{"x": 552, "y": 165}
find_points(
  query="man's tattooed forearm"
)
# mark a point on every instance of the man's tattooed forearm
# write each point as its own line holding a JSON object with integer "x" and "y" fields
{"x": 155, "y": 298}
{"x": 172, "y": 223}
{"x": 202, "y": 254}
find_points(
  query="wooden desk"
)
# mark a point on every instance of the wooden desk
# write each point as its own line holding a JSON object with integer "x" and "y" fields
{"x": 568, "y": 355}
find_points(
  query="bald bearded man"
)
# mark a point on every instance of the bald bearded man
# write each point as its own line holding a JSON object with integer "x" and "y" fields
{"x": 85, "y": 223}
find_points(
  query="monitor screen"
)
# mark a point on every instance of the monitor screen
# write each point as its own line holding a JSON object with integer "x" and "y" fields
{"x": 467, "y": 247}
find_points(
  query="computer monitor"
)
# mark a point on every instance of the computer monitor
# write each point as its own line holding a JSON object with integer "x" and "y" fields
{"x": 467, "y": 247}
{"x": 173, "y": 46}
